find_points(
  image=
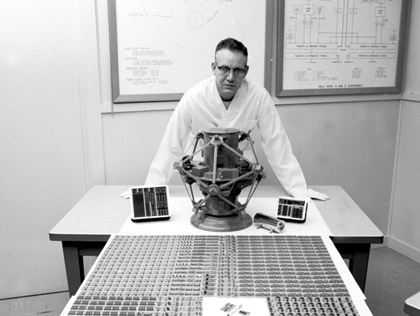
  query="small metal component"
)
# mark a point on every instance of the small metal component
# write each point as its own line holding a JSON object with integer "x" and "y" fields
{"x": 271, "y": 230}
{"x": 234, "y": 310}
{"x": 273, "y": 225}
{"x": 228, "y": 307}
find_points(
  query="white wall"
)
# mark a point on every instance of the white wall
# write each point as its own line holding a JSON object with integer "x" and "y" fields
{"x": 42, "y": 169}
{"x": 404, "y": 233}
{"x": 58, "y": 136}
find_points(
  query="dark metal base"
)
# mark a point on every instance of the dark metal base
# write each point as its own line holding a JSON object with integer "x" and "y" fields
{"x": 238, "y": 221}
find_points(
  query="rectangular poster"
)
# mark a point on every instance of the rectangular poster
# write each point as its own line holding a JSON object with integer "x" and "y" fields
{"x": 160, "y": 48}
{"x": 340, "y": 47}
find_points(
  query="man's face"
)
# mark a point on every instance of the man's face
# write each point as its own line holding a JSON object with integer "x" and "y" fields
{"x": 230, "y": 69}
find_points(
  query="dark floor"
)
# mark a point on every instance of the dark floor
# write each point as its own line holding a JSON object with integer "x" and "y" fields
{"x": 392, "y": 278}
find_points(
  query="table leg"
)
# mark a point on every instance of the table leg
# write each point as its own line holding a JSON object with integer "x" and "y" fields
{"x": 73, "y": 259}
{"x": 358, "y": 255}
{"x": 359, "y": 264}
{"x": 74, "y": 266}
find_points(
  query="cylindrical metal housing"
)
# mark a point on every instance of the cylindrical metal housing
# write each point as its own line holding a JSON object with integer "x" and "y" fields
{"x": 225, "y": 158}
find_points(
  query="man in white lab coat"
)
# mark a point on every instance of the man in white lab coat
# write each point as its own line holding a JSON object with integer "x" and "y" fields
{"x": 228, "y": 100}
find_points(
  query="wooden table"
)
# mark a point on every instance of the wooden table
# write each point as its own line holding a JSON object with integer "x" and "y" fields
{"x": 85, "y": 229}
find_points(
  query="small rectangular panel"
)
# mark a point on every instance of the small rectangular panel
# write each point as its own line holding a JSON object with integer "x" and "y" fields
{"x": 149, "y": 203}
{"x": 292, "y": 209}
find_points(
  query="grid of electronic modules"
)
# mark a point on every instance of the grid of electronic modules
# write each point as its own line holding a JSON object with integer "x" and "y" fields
{"x": 170, "y": 275}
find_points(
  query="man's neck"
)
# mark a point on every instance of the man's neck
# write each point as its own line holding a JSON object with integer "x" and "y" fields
{"x": 227, "y": 99}
{"x": 226, "y": 103}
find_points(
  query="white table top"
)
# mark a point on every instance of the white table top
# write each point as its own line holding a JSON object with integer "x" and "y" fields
{"x": 102, "y": 212}
{"x": 181, "y": 212}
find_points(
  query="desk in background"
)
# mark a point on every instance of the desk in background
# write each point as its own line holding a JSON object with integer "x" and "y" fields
{"x": 412, "y": 305}
{"x": 86, "y": 228}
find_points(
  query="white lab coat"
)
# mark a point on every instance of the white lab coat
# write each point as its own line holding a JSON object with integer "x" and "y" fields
{"x": 201, "y": 108}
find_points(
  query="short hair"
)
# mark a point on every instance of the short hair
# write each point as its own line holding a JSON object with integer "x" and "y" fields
{"x": 233, "y": 45}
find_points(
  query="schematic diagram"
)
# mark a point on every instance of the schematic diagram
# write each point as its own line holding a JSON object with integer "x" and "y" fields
{"x": 330, "y": 44}
{"x": 165, "y": 45}
{"x": 195, "y": 18}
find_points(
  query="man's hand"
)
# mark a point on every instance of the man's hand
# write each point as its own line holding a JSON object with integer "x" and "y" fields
{"x": 126, "y": 194}
{"x": 314, "y": 195}
{"x": 310, "y": 195}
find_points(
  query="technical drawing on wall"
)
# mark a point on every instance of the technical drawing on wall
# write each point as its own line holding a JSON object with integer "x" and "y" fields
{"x": 168, "y": 45}
{"x": 176, "y": 18}
{"x": 333, "y": 44}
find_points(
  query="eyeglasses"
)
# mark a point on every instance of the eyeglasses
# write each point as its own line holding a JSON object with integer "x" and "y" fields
{"x": 237, "y": 72}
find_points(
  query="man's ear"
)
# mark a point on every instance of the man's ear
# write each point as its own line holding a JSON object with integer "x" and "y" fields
{"x": 213, "y": 68}
{"x": 247, "y": 69}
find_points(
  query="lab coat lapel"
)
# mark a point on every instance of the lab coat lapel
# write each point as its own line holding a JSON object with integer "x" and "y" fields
{"x": 230, "y": 115}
